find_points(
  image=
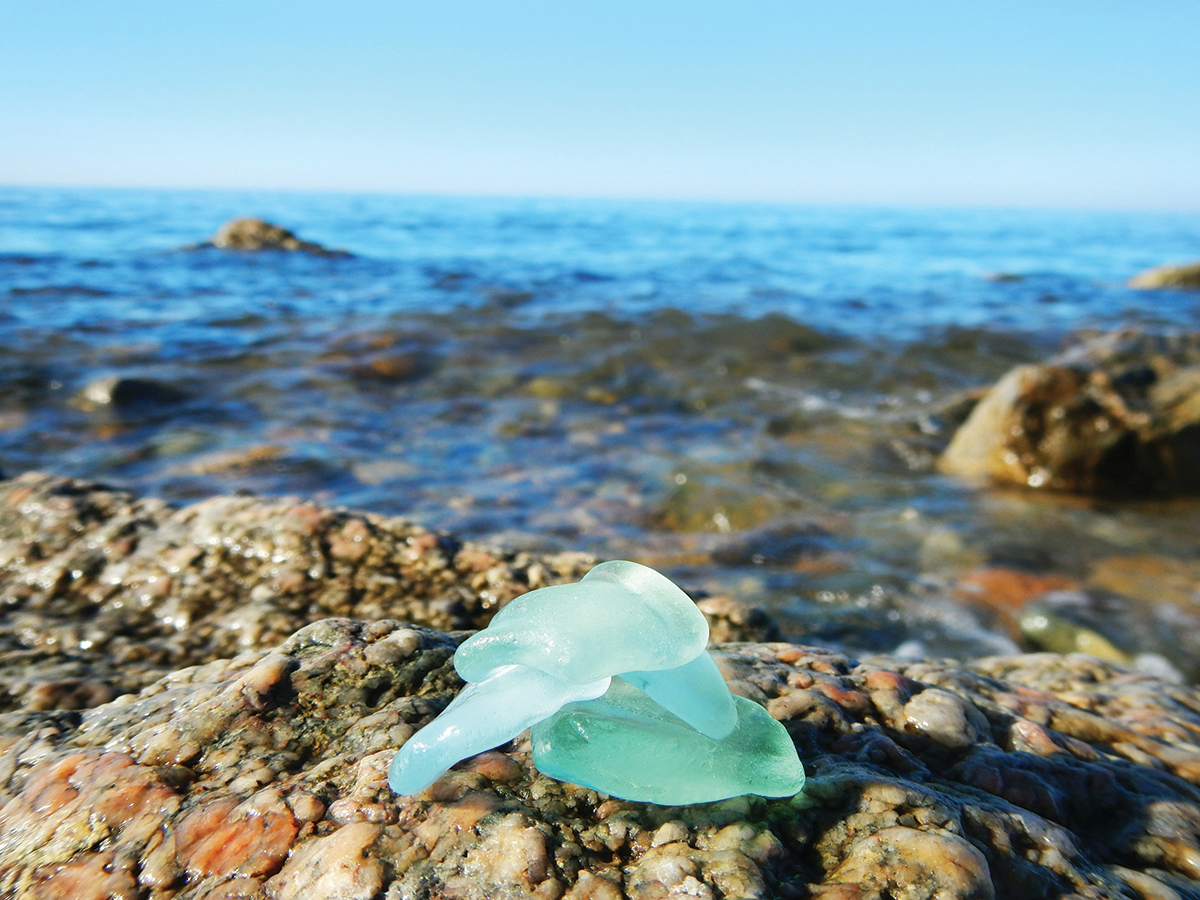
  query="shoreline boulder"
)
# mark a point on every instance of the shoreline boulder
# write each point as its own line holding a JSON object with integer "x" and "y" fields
{"x": 1119, "y": 414}
{"x": 204, "y": 702}
{"x": 1168, "y": 277}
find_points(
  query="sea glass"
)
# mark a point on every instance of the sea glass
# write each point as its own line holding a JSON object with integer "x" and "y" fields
{"x": 620, "y": 617}
{"x": 613, "y": 677}
{"x": 485, "y": 714}
{"x": 628, "y": 746}
{"x": 695, "y": 692}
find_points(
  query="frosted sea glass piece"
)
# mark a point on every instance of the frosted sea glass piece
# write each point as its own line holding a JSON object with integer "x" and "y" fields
{"x": 695, "y": 692}
{"x": 620, "y": 617}
{"x": 626, "y": 745}
{"x": 485, "y": 714}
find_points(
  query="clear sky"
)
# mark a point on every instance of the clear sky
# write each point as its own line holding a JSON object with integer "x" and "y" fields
{"x": 1058, "y": 103}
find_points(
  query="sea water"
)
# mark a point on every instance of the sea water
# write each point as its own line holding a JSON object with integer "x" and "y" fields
{"x": 748, "y": 397}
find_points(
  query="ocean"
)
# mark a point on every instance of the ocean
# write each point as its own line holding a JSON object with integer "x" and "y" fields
{"x": 748, "y": 397}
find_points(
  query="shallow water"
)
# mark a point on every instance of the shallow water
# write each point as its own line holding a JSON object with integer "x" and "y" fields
{"x": 748, "y": 397}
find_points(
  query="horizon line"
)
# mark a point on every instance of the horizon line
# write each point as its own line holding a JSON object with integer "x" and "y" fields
{"x": 572, "y": 197}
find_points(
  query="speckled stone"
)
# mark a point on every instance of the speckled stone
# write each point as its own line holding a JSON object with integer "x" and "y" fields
{"x": 105, "y": 592}
{"x": 264, "y": 776}
{"x": 186, "y": 722}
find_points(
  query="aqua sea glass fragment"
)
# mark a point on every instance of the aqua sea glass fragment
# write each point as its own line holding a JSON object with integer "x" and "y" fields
{"x": 620, "y": 617}
{"x": 485, "y": 714}
{"x": 695, "y": 692}
{"x": 626, "y": 745}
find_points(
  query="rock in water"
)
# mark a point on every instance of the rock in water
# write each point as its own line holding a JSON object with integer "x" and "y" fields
{"x": 1180, "y": 277}
{"x": 1118, "y": 414}
{"x": 249, "y": 233}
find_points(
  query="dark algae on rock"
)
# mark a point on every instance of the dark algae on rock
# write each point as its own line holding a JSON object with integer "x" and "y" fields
{"x": 204, "y": 702}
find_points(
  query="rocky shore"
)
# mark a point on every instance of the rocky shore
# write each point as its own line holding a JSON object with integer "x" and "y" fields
{"x": 203, "y": 702}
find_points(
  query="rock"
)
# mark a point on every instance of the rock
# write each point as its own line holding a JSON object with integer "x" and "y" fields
{"x": 1149, "y": 578}
{"x": 721, "y": 507}
{"x": 264, "y": 776}
{"x": 729, "y": 620}
{"x": 1004, "y": 592}
{"x": 226, "y": 738}
{"x": 1185, "y": 277}
{"x": 1151, "y": 635}
{"x": 105, "y": 592}
{"x": 249, "y": 233}
{"x": 1119, "y": 414}
{"x": 129, "y": 394}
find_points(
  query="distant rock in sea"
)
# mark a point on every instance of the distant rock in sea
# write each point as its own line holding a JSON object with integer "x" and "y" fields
{"x": 248, "y": 233}
{"x": 1117, "y": 414}
{"x": 1179, "y": 277}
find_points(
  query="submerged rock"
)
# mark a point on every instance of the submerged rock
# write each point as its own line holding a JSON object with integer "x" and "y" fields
{"x": 1185, "y": 277}
{"x": 129, "y": 394}
{"x": 1117, "y": 414}
{"x": 249, "y": 233}
{"x": 264, "y": 776}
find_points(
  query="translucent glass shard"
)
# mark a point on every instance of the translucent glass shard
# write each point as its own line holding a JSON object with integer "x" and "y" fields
{"x": 622, "y": 696}
{"x": 483, "y": 715}
{"x": 626, "y": 745}
{"x": 621, "y": 617}
{"x": 695, "y": 692}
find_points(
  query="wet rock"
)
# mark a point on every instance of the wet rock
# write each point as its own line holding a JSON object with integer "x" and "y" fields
{"x": 694, "y": 505}
{"x": 129, "y": 394}
{"x": 264, "y": 776}
{"x": 1185, "y": 277}
{"x": 105, "y": 592}
{"x": 383, "y": 358}
{"x": 253, "y": 234}
{"x": 1144, "y": 634}
{"x": 796, "y": 543}
{"x": 1005, "y": 592}
{"x": 1119, "y": 414}
{"x": 1152, "y": 579}
{"x": 729, "y": 620}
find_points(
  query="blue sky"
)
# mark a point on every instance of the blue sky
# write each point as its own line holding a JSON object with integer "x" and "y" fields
{"x": 1046, "y": 104}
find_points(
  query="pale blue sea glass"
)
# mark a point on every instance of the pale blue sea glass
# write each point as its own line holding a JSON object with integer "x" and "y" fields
{"x": 667, "y": 730}
{"x": 485, "y": 714}
{"x": 620, "y": 617}
{"x": 626, "y": 745}
{"x": 695, "y": 692}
